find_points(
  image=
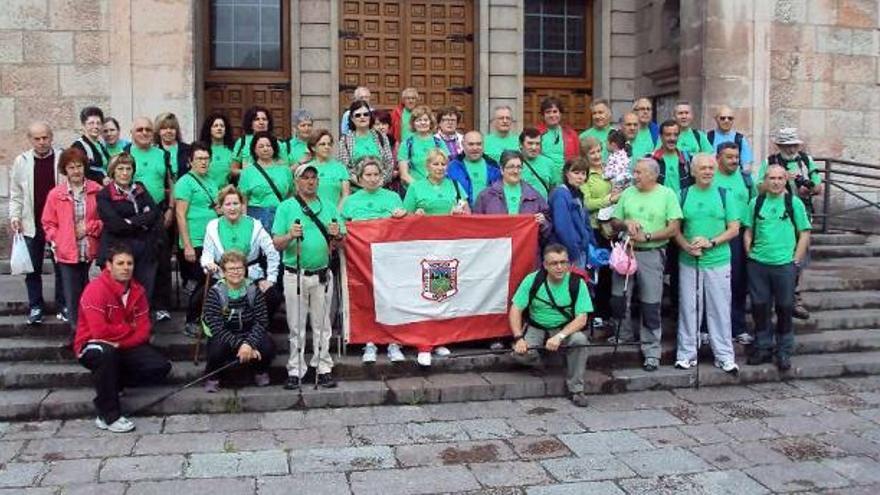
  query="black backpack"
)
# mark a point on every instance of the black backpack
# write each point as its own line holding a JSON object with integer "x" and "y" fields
{"x": 737, "y": 139}
{"x": 789, "y": 212}
{"x": 574, "y": 284}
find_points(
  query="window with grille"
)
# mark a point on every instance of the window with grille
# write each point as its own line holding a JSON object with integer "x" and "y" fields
{"x": 555, "y": 38}
{"x": 246, "y": 34}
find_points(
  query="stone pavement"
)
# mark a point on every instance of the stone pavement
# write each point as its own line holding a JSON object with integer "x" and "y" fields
{"x": 806, "y": 436}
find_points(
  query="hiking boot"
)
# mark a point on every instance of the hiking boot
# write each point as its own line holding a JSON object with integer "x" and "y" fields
{"x": 162, "y": 315}
{"x": 395, "y": 355}
{"x": 759, "y": 357}
{"x": 212, "y": 386}
{"x": 424, "y": 359}
{"x": 800, "y": 312}
{"x": 579, "y": 399}
{"x": 63, "y": 315}
{"x": 783, "y": 363}
{"x": 121, "y": 425}
{"x": 326, "y": 380}
{"x": 728, "y": 367}
{"x": 650, "y": 365}
{"x": 370, "y": 352}
{"x": 261, "y": 379}
{"x": 35, "y": 316}
{"x": 192, "y": 330}
{"x": 292, "y": 383}
{"x": 744, "y": 339}
{"x": 684, "y": 364}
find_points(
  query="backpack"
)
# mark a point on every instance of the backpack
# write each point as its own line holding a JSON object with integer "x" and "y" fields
{"x": 737, "y": 139}
{"x": 222, "y": 292}
{"x": 803, "y": 163}
{"x": 789, "y": 212}
{"x": 684, "y": 169}
{"x": 574, "y": 284}
{"x": 721, "y": 192}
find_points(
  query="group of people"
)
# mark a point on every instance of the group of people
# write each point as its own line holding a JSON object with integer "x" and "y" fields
{"x": 257, "y": 221}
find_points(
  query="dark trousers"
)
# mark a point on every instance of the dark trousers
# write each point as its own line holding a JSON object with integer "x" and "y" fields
{"x": 114, "y": 368}
{"x": 34, "y": 281}
{"x": 772, "y": 286}
{"x": 602, "y": 302}
{"x": 145, "y": 273}
{"x": 74, "y": 277}
{"x": 160, "y": 299}
{"x": 193, "y": 271}
{"x": 738, "y": 285}
{"x": 220, "y": 353}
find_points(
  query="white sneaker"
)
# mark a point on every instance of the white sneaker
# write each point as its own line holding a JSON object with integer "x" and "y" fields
{"x": 121, "y": 425}
{"x": 369, "y": 353}
{"x": 424, "y": 359}
{"x": 162, "y": 315}
{"x": 683, "y": 365}
{"x": 744, "y": 339}
{"x": 598, "y": 322}
{"x": 728, "y": 367}
{"x": 395, "y": 355}
{"x": 442, "y": 351}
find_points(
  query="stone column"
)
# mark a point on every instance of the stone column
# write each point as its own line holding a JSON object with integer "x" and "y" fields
{"x": 501, "y": 77}
{"x": 315, "y": 66}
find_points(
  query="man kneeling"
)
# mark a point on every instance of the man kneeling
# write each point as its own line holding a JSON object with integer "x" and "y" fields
{"x": 112, "y": 338}
{"x": 236, "y": 316}
{"x": 553, "y": 302}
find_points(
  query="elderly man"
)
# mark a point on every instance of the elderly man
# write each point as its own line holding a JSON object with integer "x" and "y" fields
{"x": 600, "y": 111}
{"x": 709, "y": 222}
{"x": 690, "y": 140}
{"x": 34, "y": 173}
{"x": 472, "y": 169}
{"x": 777, "y": 238}
{"x": 803, "y": 181}
{"x": 501, "y": 139}
{"x": 549, "y": 309}
{"x": 724, "y": 133}
{"x": 675, "y": 170}
{"x": 361, "y": 93}
{"x": 305, "y": 230}
{"x": 537, "y": 168}
{"x": 649, "y": 214}
{"x": 739, "y": 190}
{"x": 649, "y": 132}
{"x": 629, "y": 126}
{"x": 402, "y": 114}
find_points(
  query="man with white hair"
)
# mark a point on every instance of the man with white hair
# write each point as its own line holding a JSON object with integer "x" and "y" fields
{"x": 709, "y": 222}
{"x": 690, "y": 140}
{"x": 361, "y": 93}
{"x": 501, "y": 138}
{"x": 724, "y": 133}
{"x": 649, "y": 214}
{"x": 649, "y": 132}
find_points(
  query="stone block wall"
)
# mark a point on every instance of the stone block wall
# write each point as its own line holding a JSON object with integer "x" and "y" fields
{"x": 500, "y": 54}
{"x": 623, "y": 49}
{"x": 314, "y": 71}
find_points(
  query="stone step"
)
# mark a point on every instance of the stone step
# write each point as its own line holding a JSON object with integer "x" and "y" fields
{"x": 68, "y": 374}
{"x": 50, "y": 403}
{"x": 837, "y": 238}
{"x": 839, "y": 319}
{"x": 822, "y": 301}
{"x": 845, "y": 251}
{"x": 841, "y": 274}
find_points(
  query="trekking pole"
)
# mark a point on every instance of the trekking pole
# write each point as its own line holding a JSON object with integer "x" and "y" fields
{"x": 184, "y": 387}
{"x": 490, "y": 352}
{"x": 201, "y": 331}
{"x": 699, "y": 315}
{"x": 300, "y": 341}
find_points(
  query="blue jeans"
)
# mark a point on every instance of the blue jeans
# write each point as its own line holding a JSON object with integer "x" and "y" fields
{"x": 738, "y": 285}
{"x": 74, "y": 277}
{"x": 264, "y": 214}
{"x": 769, "y": 286}
{"x": 34, "y": 281}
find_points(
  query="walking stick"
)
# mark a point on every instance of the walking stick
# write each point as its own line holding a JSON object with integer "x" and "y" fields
{"x": 699, "y": 315}
{"x": 185, "y": 386}
{"x": 300, "y": 342}
{"x": 201, "y": 331}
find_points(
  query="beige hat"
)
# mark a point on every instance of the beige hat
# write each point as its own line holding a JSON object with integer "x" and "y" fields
{"x": 787, "y": 135}
{"x": 302, "y": 169}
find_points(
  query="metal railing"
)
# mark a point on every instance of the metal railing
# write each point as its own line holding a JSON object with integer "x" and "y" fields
{"x": 853, "y": 179}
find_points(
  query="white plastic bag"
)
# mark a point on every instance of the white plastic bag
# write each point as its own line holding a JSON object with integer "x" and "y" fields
{"x": 20, "y": 261}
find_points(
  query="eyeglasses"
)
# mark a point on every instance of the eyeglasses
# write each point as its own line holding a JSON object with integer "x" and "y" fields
{"x": 234, "y": 269}
{"x": 143, "y": 129}
{"x": 643, "y": 109}
{"x": 726, "y": 118}
{"x": 361, "y": 115}
{"x": 513, "y": 167}
{"x": 449, "y": 119}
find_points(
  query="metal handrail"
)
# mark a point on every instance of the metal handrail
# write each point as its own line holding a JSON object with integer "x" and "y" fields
{"x": 829, "y": 171}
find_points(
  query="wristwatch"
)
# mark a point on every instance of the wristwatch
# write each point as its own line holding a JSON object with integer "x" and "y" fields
{"x": 648, "y": 236}
{"x": 712, "y": 242}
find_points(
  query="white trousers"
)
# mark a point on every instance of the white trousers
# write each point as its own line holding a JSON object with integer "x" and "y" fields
{"x": 314, "y": 301}
{"x": 712, "y": 287}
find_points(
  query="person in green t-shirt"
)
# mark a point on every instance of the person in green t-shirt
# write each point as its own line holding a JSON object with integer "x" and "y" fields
{"x": 413, "y": 151}
{"x": 333, "y": 178}
{"x": 267, "y": 181}
{"x": 777, "y": 239}
{"x": 601, "y": 119}
{"x": 690, "y": 140}
{"x": 194, "y": 195}
{"x": 538, "y": 170}
{"x": 111, "y": 137}
{"x": 362, "y": 140}
{"x": 551, "y": 320}
{"x": 308, "y": 281}
{"x": 645, "y": 140}
{"x": 436, "y": 194}
{"x": 675, "y": 173}
{"x": 256, "y": 119}
{"x": 650, "y": 215}
{"x": 709, "y": 222}
{"x": 629, "y": 126}
{"x": 297, "y": 147}
{"x": 501, "y": 138}
{"x": 217, "y": 131}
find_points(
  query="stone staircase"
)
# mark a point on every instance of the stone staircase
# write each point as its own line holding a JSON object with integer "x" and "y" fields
{"x": 41, "y": 380}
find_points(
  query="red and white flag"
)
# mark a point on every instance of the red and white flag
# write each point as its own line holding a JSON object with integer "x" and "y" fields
{"x": 431, "y": 280}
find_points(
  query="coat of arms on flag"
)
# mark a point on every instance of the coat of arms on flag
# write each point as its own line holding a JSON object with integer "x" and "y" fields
{"x": 439, "y": 279}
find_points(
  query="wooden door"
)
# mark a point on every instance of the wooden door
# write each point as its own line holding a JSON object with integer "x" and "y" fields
{"x": 388, "y": 45}
{"x": 558, "y": 59}
{"x": 247, "y": 51}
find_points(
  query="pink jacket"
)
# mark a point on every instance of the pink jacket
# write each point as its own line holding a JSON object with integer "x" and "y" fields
{"x": 59, "y": 225}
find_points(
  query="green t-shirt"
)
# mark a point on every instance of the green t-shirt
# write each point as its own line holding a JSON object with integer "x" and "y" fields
{"x": 221, "y": 164}
{"x": 258, "y": 192}
{"x": 601, "y": 135}
{"x": 653, "y": 210}
{"x": 540, "y": 309}
{"x": 687, "y": 142}
{"x": 738, "y": 195}
{"x": 433, "y": 199}
{"x": 366, "y": 205}
{"x": 477, "y": 173}
{"x": 116, "y": 148}
{"x": 494, "y": 144}
{"x": 315, "y": 250}
{"x": 774, "y": 240}
{"x": 236, "y": 236}
{"x": 539, "y": 174}
{"x": 150, "y": 170}
{"x": 673, "y": 177}
{"x": 365, "y": 146}
{"x": 420, "y": 148}
{"x": 331, "y": 175}
{"x": 513, "y": 197}
{"x": 298, "y": 149}
{"x": 241, "y": 151}
{"x": 705, "y": 215}
{"x": 553, "y": 147}
{"x": 642, "y": 145}
{"x": 405, "y": 128}
{"x": 792, "y": 166}
{"x": 192, "y": 189}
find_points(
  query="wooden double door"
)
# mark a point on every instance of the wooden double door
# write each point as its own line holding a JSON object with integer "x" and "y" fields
{"x": 389, "y": 45}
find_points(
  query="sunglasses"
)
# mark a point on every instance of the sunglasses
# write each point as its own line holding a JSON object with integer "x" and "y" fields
{"x": 725, "y": 118}
{"x": 361, "y": 115}
{"x": 143, "y": 129}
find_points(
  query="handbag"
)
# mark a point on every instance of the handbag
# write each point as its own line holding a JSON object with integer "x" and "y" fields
{"x": 20, "y": 259}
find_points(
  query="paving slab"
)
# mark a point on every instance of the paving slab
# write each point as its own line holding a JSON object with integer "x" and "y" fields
{"x": 727, "y": 483}
{"x": 666, "y": 436}
{"x": 342, "y": 459}
{"x": 72, "y": 472}
{"x": 537, "y": 448}
{"x": 390, "y": 434}
{"x": 179, "y": 443}
{"x": 30, "y": 430}
{"x": 621, "y": 420}
{"x": 77, "y": 448}
{"x": 442, "y": 454}
{"x": 798, "y": 476}
{"x": 229, "y": 486}
{"x": 663, "y": 462}
{"x": 588, "y": 444}
{"x": 310, "y": 483}
{"x": 146, "y": 467}
{"x": 499, "y": 474}
{"x": 436, "y": 431}
{"x": 98, "y": 488}
{"x": 861, "y": 470}
{"x": 549, "y": 424}
{"x": 21, "y": 474}
{"x": 10, "y": 449}
{"x": 414, "y": 481}
{"x": 237, "y": 464}
{"x": 485, "y": 429}
{"x": 593, "y": 468}
{"x": 313, "y": 438}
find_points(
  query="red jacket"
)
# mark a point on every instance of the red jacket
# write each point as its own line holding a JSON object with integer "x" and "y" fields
{"x": 103, "y": 315}
{"x": 59, "y": 226}
{"x": 571, "y": 144}
{"x": 397, "y": 122}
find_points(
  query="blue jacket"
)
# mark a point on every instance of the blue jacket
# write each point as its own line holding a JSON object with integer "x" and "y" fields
{"x": 458, "y": 172}
{"x": 571, "y": 223}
